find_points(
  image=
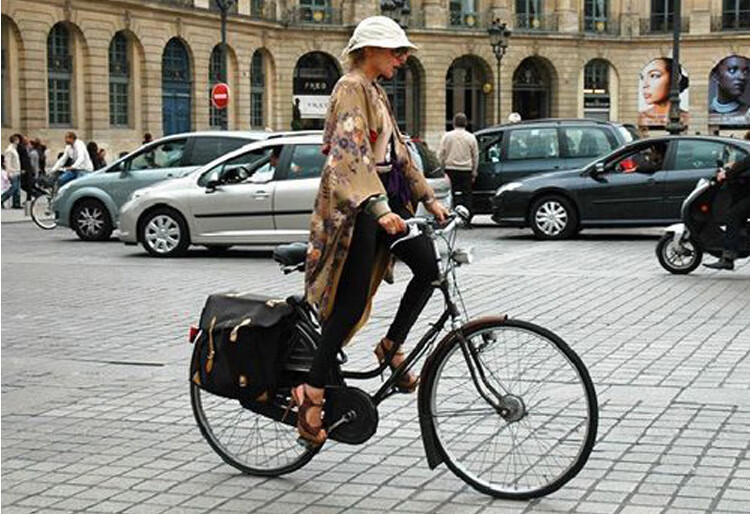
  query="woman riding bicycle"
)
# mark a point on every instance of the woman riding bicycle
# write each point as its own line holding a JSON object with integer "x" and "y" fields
{"x": 369, "y": 185}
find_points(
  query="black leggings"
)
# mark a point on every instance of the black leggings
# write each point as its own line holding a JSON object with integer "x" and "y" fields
{"x": 354, "y": 286}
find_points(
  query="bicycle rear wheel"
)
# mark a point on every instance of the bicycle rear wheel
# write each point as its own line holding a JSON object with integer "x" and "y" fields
{"x": 42, "y": 212}
{"x": 249, "y": 441}
{"x": 542, "y": 431}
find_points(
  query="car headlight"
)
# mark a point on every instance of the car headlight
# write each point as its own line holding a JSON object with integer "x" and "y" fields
{"x": 510, "y": 186}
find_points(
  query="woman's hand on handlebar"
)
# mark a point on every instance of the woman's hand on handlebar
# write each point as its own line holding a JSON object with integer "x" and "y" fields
{"x": 438, "y": 210}
{"x": 392, "y": 223}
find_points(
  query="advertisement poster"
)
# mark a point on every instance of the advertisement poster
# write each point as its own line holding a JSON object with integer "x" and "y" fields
{"x": 654, "y": 87}
{"x": 729, "y": 94}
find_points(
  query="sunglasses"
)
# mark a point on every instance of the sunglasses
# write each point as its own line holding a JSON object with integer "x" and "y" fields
{"x": 400, "y": 52}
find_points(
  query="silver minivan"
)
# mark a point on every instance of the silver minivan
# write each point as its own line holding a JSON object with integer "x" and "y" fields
{"x": 241, "y": 199}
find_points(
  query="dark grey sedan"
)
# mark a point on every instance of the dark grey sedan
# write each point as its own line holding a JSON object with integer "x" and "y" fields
{"x": 639, "y": 185}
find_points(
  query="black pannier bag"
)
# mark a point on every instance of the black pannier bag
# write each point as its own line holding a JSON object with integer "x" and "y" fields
{"x": 241, "y": 345}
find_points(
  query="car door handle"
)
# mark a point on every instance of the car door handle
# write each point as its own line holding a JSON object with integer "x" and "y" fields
{"x": 261, "y": 195}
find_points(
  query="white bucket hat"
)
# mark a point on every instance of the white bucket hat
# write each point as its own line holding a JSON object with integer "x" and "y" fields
{"x": 377, "y": 31}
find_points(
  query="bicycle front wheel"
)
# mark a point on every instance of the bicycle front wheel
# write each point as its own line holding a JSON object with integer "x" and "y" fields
{"x": 42, "y": 212}
{"x": 542, "y": 428}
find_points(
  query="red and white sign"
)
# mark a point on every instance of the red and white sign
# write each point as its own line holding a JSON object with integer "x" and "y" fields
{"x": 220, "y": 95}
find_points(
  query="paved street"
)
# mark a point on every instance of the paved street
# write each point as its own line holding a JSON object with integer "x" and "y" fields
{"x": 96, "y": 415}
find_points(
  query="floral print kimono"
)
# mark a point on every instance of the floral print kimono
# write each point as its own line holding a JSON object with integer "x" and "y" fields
{"x": 349, "y": 179}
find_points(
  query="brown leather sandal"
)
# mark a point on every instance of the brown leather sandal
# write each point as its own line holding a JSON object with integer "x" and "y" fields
{"x": 316, "y": 436}
{"x": 407, "y": 383}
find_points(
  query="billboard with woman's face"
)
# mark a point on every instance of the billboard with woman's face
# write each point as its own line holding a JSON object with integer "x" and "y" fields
{"x": 729, "y": 94}
{"x": 653, "y": 93}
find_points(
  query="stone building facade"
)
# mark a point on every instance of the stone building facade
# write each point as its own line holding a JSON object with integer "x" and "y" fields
{"x": 113, "y": 70}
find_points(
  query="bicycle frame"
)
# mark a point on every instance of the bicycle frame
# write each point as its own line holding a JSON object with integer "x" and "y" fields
{"x": 452, "y": 312}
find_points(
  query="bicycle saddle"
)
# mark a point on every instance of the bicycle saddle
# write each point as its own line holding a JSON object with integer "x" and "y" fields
{"x": 291, "y": 254}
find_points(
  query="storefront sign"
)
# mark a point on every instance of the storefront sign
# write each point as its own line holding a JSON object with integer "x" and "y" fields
{"x": 312, "y": 106}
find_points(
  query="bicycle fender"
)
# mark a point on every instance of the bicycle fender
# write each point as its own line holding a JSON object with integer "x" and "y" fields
{"x": 433, "y": 452}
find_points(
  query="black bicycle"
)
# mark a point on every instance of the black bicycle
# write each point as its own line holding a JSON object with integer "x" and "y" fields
{"x": 505, "y": 404}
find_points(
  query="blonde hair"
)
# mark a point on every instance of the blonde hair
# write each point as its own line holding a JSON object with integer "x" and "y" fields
{"x": 355, "y": 58}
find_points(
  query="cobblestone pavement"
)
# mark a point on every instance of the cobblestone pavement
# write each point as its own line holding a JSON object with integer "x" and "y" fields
{"x": 96, "y": 415}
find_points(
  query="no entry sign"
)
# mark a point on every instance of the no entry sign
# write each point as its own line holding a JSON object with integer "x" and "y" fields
{"x": 220, "y": 95}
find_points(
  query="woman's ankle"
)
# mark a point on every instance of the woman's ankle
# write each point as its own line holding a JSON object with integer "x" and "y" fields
{"x": 316, "y": 394}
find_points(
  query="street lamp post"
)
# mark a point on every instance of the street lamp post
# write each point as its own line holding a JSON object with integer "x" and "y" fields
{"x": 224, "y": 6}
{"x": 675, "y": 125}
{"x": 499, "y": 35}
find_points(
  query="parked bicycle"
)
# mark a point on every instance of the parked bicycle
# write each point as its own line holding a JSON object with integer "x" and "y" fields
{"x": 507, "y": 405}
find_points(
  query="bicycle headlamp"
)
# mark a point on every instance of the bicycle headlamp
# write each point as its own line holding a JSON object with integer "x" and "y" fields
{"x": 463, "y": 255}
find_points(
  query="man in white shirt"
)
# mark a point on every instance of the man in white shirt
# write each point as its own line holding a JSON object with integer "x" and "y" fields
{"x": 13, "y": 168}
{"x": 76, "y": 151}
{"x": 459, "y": 155}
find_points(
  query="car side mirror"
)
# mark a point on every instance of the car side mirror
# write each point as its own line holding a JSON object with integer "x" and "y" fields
{"x": 597, "y": 169}
{"x": 212, "y": 185}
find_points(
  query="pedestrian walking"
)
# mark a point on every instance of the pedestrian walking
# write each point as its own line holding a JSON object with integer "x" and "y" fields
{"x": 27, "y": 171}
{"x": 459, "y": 155}
{"x": 41, "y": 152}
{"x": 76, "y": 151}
{"x": 13, "y": 168}
{"x": 4, "y": 181}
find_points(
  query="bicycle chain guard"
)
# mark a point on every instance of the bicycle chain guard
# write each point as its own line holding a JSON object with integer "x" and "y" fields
{"x": 341, "y": 403}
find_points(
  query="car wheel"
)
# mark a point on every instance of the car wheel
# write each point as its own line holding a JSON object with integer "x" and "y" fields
{"x": 678, "y": 258}
{"x": 90, "y": 220}
{"x": 553, "y": 217}
{"x": 164, "y": 233}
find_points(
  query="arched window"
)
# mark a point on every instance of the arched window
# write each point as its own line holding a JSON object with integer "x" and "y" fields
{"x": 463, "y": 92}
{"x": 257, "y": 89}
{"x": 59, "y": 75}
{"x": 532, "y": 89}
{"x": 217, "y": 117}
{"x": 596, "y": 100}
{"x": 176, "y": 88}
{"x": 119, "y": 81}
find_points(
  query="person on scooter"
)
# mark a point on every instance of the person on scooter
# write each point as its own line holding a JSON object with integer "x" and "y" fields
{"x": 738, "y": 212}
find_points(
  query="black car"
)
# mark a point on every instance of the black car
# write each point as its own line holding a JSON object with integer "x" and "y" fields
{"x": 641, "y": 184}
{"x": 512, "y": 151}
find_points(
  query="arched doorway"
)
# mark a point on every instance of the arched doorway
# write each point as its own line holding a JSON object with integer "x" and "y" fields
{"x": 532, "y": 89}
{"x": 405, "y": 95}
{"x": 314, "y": 77}
{"x": 177, "y": 88}
{"x": 464, "y": 92}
